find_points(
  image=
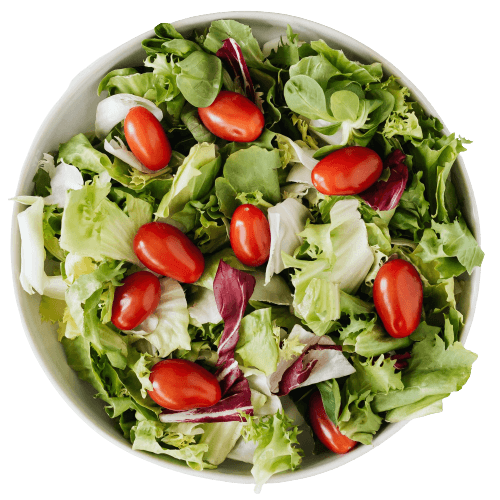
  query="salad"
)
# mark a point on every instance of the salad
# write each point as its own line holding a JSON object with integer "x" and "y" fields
{"x": 257, "y": 252}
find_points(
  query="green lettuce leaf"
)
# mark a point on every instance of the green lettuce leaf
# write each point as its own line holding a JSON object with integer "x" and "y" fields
{"x": 193, "y": 179}
{"x": 200, "y": 78}
{"x": 154, "y": 436}
{"x": 242, "y": 34}
{"x": 254, "y": 169}
{"x": 432, "y": 370}
{"x": 167, "y": 327}
{"x": 257, "y": 345}
{"x": 277, "y": 448}
{"x": 93, "y": 226}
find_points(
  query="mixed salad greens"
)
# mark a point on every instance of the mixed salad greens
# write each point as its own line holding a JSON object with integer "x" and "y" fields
{"x": 303, "y": 321}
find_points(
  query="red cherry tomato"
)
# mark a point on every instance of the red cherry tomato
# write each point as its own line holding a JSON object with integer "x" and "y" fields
{"x": 250, "y": 235}
{"x": 328, "y": 433}
{"x": 398, "y": 296}
{"x": 233, "y": 117}
{"x": 179, "y": 384}
{"x": 135, "y": 300}
{"x": 346, "y": 171}
{"x": 147, "y": 139}
{"x": 168, "y": 251}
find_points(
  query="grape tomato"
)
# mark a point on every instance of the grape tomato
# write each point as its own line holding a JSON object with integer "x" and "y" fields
{"x": 179, "y": 384}
{"x": 168, "y": 251}
{"x": 233, "y": 117}
{"x": 147, "y": 139}
{"x": 347, "y": 171}
{"x": 250, "y": 235}
{"x": 398, "y": 297}
{"x": 135, "y": 300}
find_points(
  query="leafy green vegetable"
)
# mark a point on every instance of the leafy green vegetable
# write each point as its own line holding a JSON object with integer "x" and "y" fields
{"x": 200, "y": 78}
{"x": 90, "y": 199}
{"x": 257, "y": 345}
{"x": 277, "y": 448}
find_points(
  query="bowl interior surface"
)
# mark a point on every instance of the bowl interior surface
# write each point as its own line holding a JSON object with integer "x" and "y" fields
{"x": 75, "y": 113}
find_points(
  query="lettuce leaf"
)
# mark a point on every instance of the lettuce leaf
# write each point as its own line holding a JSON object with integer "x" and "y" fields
{"x": 33, "y": 276}
{"x": 277, "y": 446}
{"x": 257, "y": 345}
{"x": 167, "y": 327}
{"x": 432, "y": 370}
{"x": 193, "y": 179}
{"x": 93, "y": 226}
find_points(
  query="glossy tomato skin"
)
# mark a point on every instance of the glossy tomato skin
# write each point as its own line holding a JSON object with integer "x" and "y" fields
{"x": 233, "y": 117}
{"x": 250, "y": 235}
{"x": 328, "y": 433}
{"x": 346, "y": 171}
{"x": 147, "y": 139}
{"x": 179, "y": 384}
{"x": 135, "y": 300}
{"x": 168, "y": 251}
{"x": 398, "y": 297}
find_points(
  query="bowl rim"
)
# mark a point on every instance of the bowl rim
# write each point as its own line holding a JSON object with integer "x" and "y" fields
{"x": 103, "y": 64}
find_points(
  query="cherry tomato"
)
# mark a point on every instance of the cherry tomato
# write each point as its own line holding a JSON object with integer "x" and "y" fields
{"x": 346, "y": 171}
{"x": 398, "y": 296}
{"x": 233, "y": 117}
{"x": 325, "y": 430}
{"x": 250, "y": 235}
{"x": 147, "y": 139}
{"x": 168, "y": 251}
{"x": 135, "y": 300}
{"x": 179, "y": 384}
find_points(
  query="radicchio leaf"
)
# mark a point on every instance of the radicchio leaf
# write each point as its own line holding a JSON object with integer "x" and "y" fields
{"x": 232, "y": 289}
{"x": 232, "y": 54}
{"x": 320, "y": 360}
{"x": 385, "y": 195}
{"x": 228, "y": 409}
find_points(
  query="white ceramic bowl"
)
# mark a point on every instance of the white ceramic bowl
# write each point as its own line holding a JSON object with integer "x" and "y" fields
{"x": 75, "y": 113}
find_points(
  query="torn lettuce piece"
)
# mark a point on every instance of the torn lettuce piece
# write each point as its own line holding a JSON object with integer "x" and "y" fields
{"x": 193, "y": 179}
{"x": 154, "y": 436}
{"x": 286, "y": 220}
{"x": 93, "y": 226}
{"x": 344, "y": 243}
{"x": 316, "y": 299}
{"x": 297, "y": 152}
{"x": 257, "y": 346}
{"x": 277, "y": 446}
{"x": 115, "y": 108}
{"x": 33, "y": 276}
{"x": 63, "y": 177}
{"x": 203, "y": 307}
{"x": 432, "y": 370}
{"x": 254, "y": 169}
{"x": 167, "y": 327}
{"x": 319, "y": 360}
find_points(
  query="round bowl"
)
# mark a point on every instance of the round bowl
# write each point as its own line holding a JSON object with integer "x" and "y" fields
{"x": 75, "y": 113}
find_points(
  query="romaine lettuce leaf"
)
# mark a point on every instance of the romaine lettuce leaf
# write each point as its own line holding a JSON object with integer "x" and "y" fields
{"x": 93, "y": 226}
{"x": 193, "y": 179}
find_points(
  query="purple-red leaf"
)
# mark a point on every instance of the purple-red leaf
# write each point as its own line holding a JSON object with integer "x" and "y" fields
{"x": 320, "y": 360}
{"x": 385, "y": 195}
{"x": 231, "y": 53}
{"x": 232, "y": 290}
{"x": 228, "y": 409}
{"x": 297, "y": 374}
